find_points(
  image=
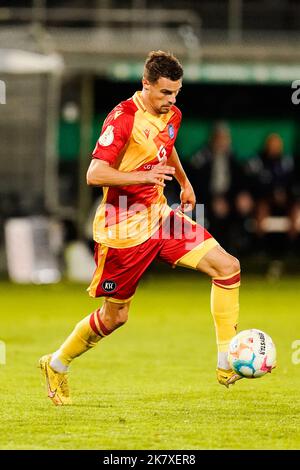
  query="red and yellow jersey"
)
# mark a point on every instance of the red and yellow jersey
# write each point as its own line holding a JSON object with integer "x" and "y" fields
{"x": 132, "y": 139}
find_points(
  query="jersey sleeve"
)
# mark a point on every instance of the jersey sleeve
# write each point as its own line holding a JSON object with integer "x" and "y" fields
{"x": 114, "y": 136}
{"x": 178, "y": 117}
{"x": 175, "y": 123}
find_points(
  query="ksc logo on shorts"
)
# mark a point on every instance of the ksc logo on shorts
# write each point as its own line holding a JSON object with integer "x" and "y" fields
{"x": 108, "y": 286}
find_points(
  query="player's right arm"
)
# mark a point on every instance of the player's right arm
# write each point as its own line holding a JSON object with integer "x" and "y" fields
{"x": 100, "y": 173}
{"x": 114, "y": 138}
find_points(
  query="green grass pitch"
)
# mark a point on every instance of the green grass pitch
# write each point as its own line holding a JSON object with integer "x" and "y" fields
{"x": 152, "y": 384}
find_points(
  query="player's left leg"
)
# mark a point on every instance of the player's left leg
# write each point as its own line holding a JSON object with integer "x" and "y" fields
{"x": 197, "y": 249}
{"x": 224, "y": 269}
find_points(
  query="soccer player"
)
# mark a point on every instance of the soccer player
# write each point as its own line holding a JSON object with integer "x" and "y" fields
{"x": 133, "y": 159}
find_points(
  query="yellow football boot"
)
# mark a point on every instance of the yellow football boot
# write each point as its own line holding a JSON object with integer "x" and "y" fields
{"x": 57, "y": 383}
{"x": 227, "y": 377}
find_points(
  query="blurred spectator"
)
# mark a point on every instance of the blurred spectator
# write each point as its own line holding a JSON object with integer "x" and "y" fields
{"x": 218, "y": 182}
{"x": 271, "y": 184}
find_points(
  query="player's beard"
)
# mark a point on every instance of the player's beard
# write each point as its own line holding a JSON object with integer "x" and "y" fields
{"x": 164, "y": 109}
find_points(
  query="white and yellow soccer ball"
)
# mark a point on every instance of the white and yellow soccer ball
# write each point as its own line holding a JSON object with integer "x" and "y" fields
{"x": 252, "y": 353}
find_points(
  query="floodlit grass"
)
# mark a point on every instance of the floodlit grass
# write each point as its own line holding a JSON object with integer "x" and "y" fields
{"x": 152, "y": 384}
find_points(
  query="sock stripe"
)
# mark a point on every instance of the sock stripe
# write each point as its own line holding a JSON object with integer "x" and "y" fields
{"x": 231, "y": 287}
{"x": 97, "y": 324}
{"x": 221, "y": 278}
{"x": 103, "y": 328}
{"x": 228, "y": 283}
{"x": 93, "y": 325}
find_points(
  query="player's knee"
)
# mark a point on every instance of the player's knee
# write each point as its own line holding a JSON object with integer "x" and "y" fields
{"x": 235, "y": 265}
{"x": 116, "y": 314}
{"x": 230, "y": 265}
{"x": 121, "y": 317}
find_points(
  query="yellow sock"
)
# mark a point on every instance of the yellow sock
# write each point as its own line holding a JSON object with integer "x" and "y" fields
{"x": 86, "y": 334}
{"x": 225, "y": 311}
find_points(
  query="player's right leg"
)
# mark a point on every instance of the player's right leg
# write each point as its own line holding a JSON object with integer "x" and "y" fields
{"x": 86, "y": 334}
{"x": 116, "y": 277}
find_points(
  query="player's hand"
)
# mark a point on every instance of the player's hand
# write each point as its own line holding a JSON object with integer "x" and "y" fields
{"x": 159, "y": 174}
{"x": 187, "y": 197}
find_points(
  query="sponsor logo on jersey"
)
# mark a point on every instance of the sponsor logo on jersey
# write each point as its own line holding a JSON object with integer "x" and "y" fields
{"x": 107, "y": 137}
{"x": 162, "y": 153}
{"x": 108, "y": 285}
{"x": 171, "y": 131}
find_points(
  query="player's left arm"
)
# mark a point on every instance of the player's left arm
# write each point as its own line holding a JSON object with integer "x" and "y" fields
{"x": 187, "y": 195}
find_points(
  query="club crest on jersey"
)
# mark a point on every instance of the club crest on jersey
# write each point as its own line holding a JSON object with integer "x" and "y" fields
{"x": 107, "y": 137}
{"x": 171, "y": 131}
{"x": 108, "y": 285}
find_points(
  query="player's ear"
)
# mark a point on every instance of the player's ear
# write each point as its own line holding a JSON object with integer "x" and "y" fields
{"x": 146, "y": 83}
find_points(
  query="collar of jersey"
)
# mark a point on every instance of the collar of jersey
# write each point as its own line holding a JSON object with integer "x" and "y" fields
{"x": 159, "y": 121}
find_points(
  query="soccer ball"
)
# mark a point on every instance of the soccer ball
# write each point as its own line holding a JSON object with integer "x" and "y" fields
{"x": 252, "y": 353}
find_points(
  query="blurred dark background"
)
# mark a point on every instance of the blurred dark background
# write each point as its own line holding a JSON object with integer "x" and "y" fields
{"x": 67, "y": 64}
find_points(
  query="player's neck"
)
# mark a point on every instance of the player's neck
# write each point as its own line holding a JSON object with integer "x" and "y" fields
{"x": 147, "y": 104}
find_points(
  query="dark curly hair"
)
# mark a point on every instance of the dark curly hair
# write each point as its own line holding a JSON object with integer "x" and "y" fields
{"x": 162, "y": 64}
